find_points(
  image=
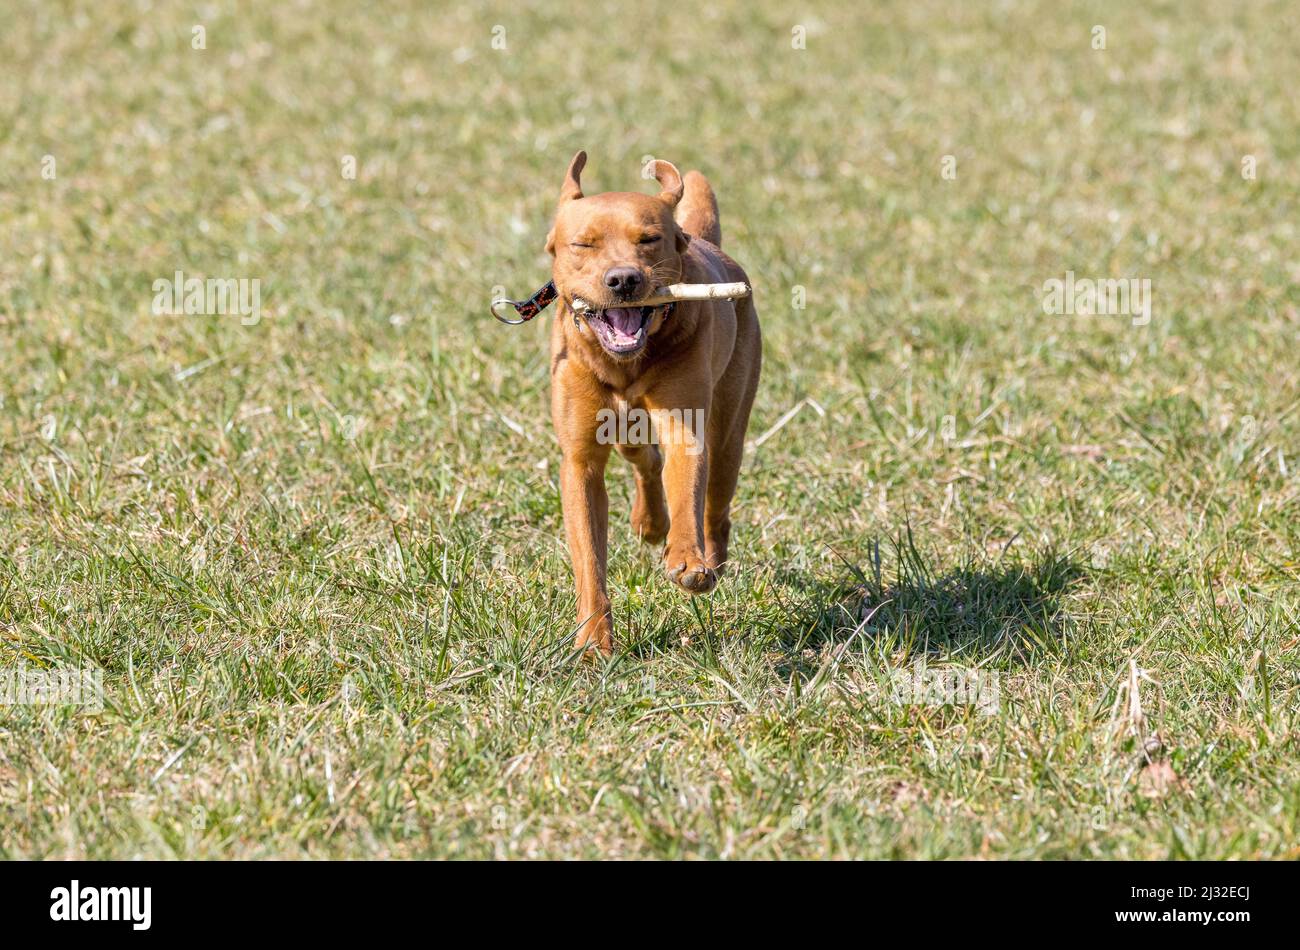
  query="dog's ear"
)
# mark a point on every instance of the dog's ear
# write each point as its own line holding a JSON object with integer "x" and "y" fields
{"x": 571, "y": 190}
{"x": 670, "y": 180}
{"x": 572, "y": 187}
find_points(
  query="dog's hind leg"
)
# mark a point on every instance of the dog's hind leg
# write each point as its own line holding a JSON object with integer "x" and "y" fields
{"x": 726, "y": 435}
{"x": 650, "y": 509}
{"x": 724, "y": 470}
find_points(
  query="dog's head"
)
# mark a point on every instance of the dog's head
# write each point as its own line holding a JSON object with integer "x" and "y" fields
{"x": 616, "y": 248}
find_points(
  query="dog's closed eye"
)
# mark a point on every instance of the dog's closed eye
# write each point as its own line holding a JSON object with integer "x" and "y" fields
{"x": 649, "y": 238}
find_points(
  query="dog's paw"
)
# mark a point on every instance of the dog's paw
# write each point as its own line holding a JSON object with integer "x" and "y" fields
{"x": 649, "y": 530}
{"x": 650, "y": 522}
{"x": 691, "y": 574}
{"x": 595, "y": 636}
{"x": 596, "y": 645}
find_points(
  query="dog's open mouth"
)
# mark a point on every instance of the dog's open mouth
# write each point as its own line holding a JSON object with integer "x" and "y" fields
{"x": 620, "y": 330}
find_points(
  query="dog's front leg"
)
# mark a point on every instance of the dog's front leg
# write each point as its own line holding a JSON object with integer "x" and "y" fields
{"x": 586, "y": 523}
{"x": 575, "y": 409}
{"x": 680, "y": 425}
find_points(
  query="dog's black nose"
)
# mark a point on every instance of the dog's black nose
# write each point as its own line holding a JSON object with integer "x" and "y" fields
{"x": 624, "y": 281}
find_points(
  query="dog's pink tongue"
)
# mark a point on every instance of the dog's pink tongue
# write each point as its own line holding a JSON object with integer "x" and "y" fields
{"x": 626, "y": 322}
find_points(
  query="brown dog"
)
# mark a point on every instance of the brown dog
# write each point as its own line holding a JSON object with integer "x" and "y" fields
{"x": 692, "y": 369}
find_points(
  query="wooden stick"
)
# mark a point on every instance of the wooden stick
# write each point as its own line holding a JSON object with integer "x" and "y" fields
{"x": 681, "y": 292}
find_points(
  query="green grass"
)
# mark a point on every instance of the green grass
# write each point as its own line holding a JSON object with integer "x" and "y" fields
{"x": 320, "y": 559}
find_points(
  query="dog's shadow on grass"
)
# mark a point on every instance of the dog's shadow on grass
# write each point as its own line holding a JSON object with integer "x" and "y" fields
{"x": 1009, "y": 610}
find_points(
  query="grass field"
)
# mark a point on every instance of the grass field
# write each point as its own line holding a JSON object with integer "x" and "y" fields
{"x": 318, "y": 556}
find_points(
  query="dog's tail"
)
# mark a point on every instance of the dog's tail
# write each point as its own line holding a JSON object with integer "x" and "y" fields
{"x": 697, "y": 212}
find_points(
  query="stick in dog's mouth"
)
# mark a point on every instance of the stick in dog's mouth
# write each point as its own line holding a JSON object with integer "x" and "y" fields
{"x": 678, "y": 292}
{"x": 622, "y": 329}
